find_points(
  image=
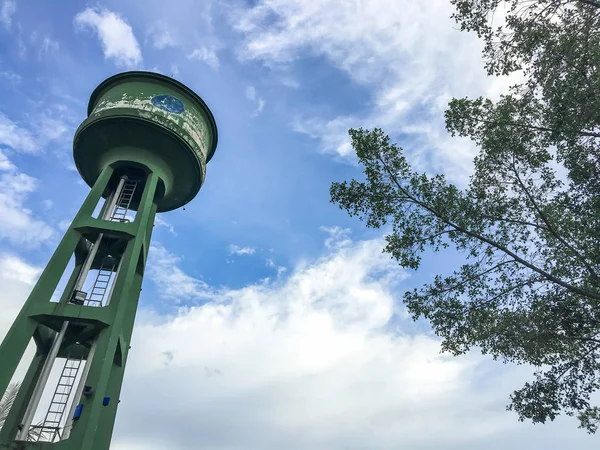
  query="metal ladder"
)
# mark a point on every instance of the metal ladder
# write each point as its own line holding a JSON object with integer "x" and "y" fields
{"x": 50, "y": 428}
{"x": 101, "y": 283}
{"x": 124, "y": 202}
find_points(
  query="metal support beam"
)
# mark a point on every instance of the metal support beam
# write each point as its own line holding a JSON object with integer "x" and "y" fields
{"x": 41, "y": 383}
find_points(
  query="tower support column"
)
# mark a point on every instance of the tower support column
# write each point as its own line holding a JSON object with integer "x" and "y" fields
{"x": 143, "y": 147}
{"x": 23, "y": 328}
{"x": 106, "y": 371}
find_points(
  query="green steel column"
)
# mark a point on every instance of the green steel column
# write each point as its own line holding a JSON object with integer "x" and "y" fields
{"x": 94, "y": 428}
{"x": 9, "y": 429}
{"x": 138, "y": 122}
{"x": 107, "y": 419}
{"x": 20, "y": 333}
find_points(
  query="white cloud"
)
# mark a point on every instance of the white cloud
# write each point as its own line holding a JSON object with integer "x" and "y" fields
{"x": 338, "y": 236}
{"x": 11, "y": 76}
{"x": 16, "y": 278}
{"x": 319, "y": 360}
{"x": 53, "y": 127}
{"x": 48, "y": 46}
{"x": 51, "y": 124}
{"x": 172, "y": 283}
{"x": 15, "y": 269}
{"x": 116, "y": 35}
{"x": 207, "y": 55}
{"x": 5, "y": 164}
{"x": 163, "y": 223}
{"x": 316, "y": 361}
{"x": 16, "y": 137}
{"x": 64, "y": 225}
{"x": 409, "y": 54}
{"x": 253, "y": 96}
{"x": 237, "y": 250}
{"x": 161, "y": 35}
{"x": 280, "y": 269}
{"x": 7, "y": 9}
{"x": 18, "y": 224}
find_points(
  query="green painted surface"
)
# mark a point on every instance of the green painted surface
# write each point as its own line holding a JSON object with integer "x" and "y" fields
{"x": 125, "y": 125}
{"x": 169, "y": 154}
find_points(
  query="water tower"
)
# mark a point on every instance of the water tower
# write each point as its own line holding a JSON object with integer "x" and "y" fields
{"x": 143, "y": 149}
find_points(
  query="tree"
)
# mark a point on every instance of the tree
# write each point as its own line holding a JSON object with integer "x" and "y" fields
{"x": 6, "y": 404}
{"x": 7, "y": 401}
{"x": 528, "y": 223}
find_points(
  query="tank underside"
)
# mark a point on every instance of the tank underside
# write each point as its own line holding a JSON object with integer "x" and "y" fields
{"x": 143, "y": 143}
{"x": 148, "y": 122}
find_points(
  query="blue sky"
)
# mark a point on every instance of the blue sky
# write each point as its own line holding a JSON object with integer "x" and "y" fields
{"x": 268, "y": 317}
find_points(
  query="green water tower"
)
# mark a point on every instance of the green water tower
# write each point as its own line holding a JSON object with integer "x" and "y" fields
{"x": 143, "y": 149}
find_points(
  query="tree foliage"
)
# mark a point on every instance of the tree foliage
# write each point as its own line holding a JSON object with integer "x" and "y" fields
{"x": 8, "y": 398}
{"x": 528, "y": 223}
{"x": 6, "y": 403}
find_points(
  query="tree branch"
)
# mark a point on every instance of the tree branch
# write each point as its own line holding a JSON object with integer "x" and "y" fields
{"x": 516, "y": 286}
{"x": 518, "y": 222}
{"x": 536, "y": 127}
{"x": 487, "y": 240}
{"x": 593, "y": 3}
{"x": 549, "y": 226}
{"x": 464, "y": 281}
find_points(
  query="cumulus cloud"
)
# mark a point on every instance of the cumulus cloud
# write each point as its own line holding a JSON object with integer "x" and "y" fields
{"x": 172, "y": 283}
{"x": 237, "y": 250}
{"x": 16, "y": 278}
{"x": 53, "y": 123}
{"x": 18, "y": 224}
{"x": 206, "y": 55}
{"x": 115, "y": 34}
{"x": 410, "y": 55}
{"x": 16, "y": 137}
{"x": 320, "y": 360}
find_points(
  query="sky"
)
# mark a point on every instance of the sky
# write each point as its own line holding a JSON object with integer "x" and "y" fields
{"x": 268, "y": 317}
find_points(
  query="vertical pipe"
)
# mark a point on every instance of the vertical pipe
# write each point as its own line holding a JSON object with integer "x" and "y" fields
{"x": 113, "y": 199}
{"x": 41, "y": 383}
{"x": 87, "y": 265}
{"x": 108, "y": 201}
{"x": 112, "y": 286}
{"x": 78, "y": 392}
